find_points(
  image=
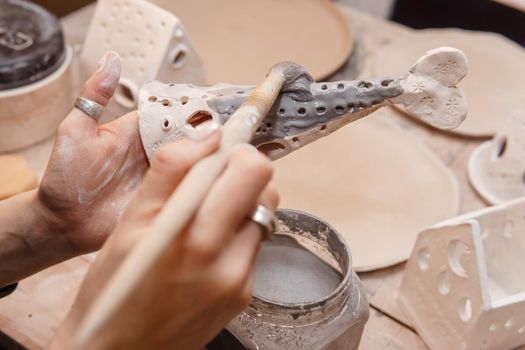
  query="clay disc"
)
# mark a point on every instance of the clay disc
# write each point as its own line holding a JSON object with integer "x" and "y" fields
{"x": 239, "y": 40}
{"x": 376, "y": 185}
{"x": 15, "y": 176}
{"x": 494, "y": 84}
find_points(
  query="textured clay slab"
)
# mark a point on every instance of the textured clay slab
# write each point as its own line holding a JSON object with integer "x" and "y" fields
{"x": 494, "y": 84}
{"x": 375, "y": 184}
{"x": 239, "y": 39}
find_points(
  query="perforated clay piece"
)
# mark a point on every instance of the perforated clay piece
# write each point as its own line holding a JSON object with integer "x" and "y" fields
{"x": 462, "y": 286}
{"x": 152, "y": 43}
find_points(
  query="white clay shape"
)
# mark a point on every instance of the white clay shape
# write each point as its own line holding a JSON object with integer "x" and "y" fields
{"x": 463, "y": 285}
{"x": 294, "y": 123}
{"x": 151, "y": 42}
{"x": 496, "y": 168}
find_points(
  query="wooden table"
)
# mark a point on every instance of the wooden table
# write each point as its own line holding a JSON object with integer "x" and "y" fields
{"x": 32, "y": 313}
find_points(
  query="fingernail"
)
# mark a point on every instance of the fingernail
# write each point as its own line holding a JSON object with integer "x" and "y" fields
{"x": 110, "y": 66}
{"x": 203, "y": 131}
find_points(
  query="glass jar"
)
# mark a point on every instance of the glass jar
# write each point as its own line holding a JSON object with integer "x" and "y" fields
{"x": 290, "y": 311}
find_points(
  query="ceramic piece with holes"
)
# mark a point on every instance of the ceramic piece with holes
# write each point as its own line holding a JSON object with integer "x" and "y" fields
{"x": 167, "y": 110}
{"x": 494, "y": 85}
{"x": 463, "y": 285}
{"x": 152, "y": 43}
{"x": 496, "y": 169}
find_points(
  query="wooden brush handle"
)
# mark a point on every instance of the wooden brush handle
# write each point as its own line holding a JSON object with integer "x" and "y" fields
{"x": 179, "y": 209}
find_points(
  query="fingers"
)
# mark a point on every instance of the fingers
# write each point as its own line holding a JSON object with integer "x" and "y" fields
{"x": 99, "y": 88}
{"x": 231, "y": 199}
{"x": 171, "y": 163}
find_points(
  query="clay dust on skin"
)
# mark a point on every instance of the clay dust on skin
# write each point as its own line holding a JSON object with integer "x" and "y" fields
{"x": 110, "y": 67}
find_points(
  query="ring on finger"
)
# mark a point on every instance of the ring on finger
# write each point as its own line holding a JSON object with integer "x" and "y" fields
{"x": 266, "y": 219}
{"x": 90, "y": 108}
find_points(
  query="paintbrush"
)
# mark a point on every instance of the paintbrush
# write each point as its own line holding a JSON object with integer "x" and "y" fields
{"x": 286, "y": 77}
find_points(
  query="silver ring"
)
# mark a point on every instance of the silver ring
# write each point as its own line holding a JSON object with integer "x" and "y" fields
{"x": 92, "y": 109}
{"x": 264, "y": 218}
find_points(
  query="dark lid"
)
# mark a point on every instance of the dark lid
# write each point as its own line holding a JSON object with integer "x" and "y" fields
{"x": 31, "y": 43}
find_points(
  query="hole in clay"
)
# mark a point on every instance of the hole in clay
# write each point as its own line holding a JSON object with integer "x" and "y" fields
{"x": 339, "y": 109}
{"x": 443, "y": 283}
{"x": 324, "y": 87}
{"x": 166, "y": 123}
{"x": 184, "y": 100}
{"x": 172, "y": 84}
{"x": 240, "y": 92}
{"x": 351, "y": 106}
{"x": 258, "y": 130}
{"x": 320, "y": 110}
{"x": 267, "y": 148}
{"x": 165, "y": 102}
{"x": 301, "y": 111}
{"x": 340, "y": 86}
{"x": 386, "y": 82}
{"x": 501, "y": 147}
{"x": 423, "y": 258}
{"x": 521, "y": 330}
{"x": 152, "y": 98}
{"x": 268, "y": 125}
{"x": 281, "y": 111}
{"x": 125, "y": 96}
{"x": 465, "y": 309}
{"x": 365, "y": 84}
{"x": 323, "y": 127}
{"x": 493, "y": 327}
{"x": 179, "y": 58}
{"x": 509, "y": 324}
{"x": 456, "y": 251}
{"x": 295, "y": 139}
{"x": 198, "y": 118}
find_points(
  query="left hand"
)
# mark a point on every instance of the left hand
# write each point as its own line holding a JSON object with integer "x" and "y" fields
{"x": 93, "y": 169}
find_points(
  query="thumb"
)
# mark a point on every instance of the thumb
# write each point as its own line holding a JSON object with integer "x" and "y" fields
{"x": 99, "y": 88}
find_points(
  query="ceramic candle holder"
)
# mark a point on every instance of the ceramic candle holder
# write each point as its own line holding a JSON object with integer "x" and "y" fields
{"x": 463, "y": 285}
{"x": 151, "y": 42}
{"x": 496, "y": 169}
{"x": 306, "y": 295}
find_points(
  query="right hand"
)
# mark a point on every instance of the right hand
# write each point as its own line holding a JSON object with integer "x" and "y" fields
{"x": 205, "y": 278}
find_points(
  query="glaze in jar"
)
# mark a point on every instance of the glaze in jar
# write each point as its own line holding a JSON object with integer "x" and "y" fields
{"x": 306, "y": 295}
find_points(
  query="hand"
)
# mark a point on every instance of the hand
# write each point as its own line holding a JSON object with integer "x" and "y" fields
{"x": 90, "y": 177}
{"x": 93, "y": 169}
{"x": 205, "y": 277}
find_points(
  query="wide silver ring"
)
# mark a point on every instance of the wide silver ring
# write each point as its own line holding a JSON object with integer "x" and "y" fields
{"x": 92, "y": 109}
{"x": 265, "y": 218}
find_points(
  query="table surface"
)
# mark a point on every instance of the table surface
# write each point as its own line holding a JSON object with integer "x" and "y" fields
{"x": 32, "y": 313}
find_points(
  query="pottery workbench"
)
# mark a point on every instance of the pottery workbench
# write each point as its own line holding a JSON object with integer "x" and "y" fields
{"x": 31, "y": 314}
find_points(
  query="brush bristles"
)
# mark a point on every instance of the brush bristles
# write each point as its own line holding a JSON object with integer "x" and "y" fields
{"x": 297, "y": 81}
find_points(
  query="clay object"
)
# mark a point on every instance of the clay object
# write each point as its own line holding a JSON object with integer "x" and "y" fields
{"x": 307, "y": 303}
{"x": 462, "y": 285}
{"x": 496, "y": 168}
{"x": 375, "y": 183}
{"x": 15, "y": 176}
{"x": 494, "y": 86}
{"x": 166, "y": 111}
{"x": 239, "y": 39}
{"x": 35, "y": 82}
{"x": 151, "y": 42}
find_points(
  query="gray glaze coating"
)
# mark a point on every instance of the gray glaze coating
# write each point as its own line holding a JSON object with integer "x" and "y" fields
{"x": 289, "y": 117}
